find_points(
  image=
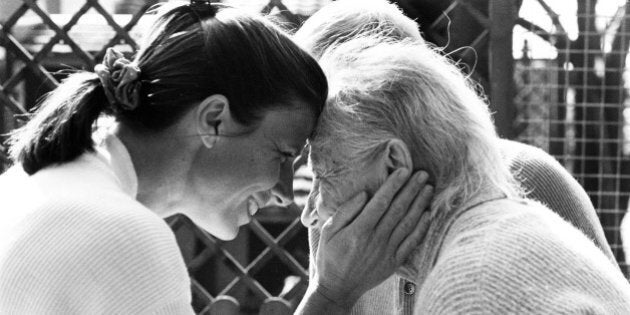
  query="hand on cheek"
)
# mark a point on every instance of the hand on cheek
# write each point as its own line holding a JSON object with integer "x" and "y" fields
{"x": 363, "y": 243}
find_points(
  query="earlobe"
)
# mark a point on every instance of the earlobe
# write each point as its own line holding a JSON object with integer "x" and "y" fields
{"x": 211, "y": 113}
{"x": 398, "y": 155}
{"x": 209, "y": 140}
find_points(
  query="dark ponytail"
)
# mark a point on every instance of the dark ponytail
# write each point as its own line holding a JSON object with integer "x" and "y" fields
{"x": 60, "y": 129}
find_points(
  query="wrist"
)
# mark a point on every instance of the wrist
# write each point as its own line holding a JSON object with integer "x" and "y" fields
{"x": 316, "y": 302}
{"x": 341, "y": 300}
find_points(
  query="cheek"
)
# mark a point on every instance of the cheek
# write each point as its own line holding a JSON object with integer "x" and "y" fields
{"x": 263, "y": 172}
{"x": 334, "y": 193}
{"x": 325, "y": 204}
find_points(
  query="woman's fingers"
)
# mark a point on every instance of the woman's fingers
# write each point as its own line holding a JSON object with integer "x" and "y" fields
{"x": 356, "y": 251}
{"x": 403, "y": 204}
{"x": 345, "y": 214}
{"x": 410, "y": 221}
{"x": 380, "y": 202}
{"x": 414, "y": 239}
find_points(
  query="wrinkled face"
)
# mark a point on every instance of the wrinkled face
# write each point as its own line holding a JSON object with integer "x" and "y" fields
{"x": 245, "y": 172}
{"x": 337, "y": 177}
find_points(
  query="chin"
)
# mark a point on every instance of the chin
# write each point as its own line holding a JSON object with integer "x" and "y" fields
{"x": 225, "y": 235}
{"x": 222, "y": 232}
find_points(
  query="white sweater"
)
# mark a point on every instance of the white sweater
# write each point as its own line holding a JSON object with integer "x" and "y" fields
{"x": 515, "y": 257}
{"x": 73, "y": 240}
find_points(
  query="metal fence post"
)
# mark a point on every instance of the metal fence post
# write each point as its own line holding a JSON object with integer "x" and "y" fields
{"x": 503, "y": 14}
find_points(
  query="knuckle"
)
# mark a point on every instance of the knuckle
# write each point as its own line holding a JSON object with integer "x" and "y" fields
{"x": 397, "y": 210}
{"x": 381, "y": 203}
{"x": 407, "y": 225}
{"x": 397, "y": 207}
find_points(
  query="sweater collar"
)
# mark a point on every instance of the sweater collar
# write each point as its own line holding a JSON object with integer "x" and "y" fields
{"x": 115, "y": 154}
{"x": 422, "y": 260}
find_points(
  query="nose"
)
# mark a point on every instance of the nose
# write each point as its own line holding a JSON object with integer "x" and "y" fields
{"x": 309, "y": 215}
{"x": 282, "y": 192}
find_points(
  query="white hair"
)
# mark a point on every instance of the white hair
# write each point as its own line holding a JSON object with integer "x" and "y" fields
{"x": 380, "y": 89}
{"x": 344, "y": 20}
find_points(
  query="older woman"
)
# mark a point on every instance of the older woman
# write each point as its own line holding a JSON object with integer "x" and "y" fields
{"x": 543, "y": 178}
{"x": 400, "y": 104}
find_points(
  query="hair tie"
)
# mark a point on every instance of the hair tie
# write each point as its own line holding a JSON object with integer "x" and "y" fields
{"x": 204, "y": 8}
{"x": 120, "y": 80}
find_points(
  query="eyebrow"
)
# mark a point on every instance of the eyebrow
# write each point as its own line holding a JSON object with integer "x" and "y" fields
{"x": 320, "y": 171}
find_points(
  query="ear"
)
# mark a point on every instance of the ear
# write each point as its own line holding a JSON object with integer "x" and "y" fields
{"x": 397, "y": 155}
{"x": 212, "y": 112}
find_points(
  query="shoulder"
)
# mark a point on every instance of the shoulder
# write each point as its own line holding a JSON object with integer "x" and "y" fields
{"x": 523, "y": 259}
{"x": 77, "y": 200}
{"x": 524, "y": 158}
{"x": 543, "y": 177}
{"x": 545, "y": 180}
{"x": 105, "y": 250}
{"x": 112, "y": 227}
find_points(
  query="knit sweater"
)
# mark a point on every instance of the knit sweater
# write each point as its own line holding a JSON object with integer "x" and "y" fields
{"x": 546, "y": 181}
{"x": 515, "y": 257}
{"x": 543, "y": 178}
{"x": 73, "y": 240}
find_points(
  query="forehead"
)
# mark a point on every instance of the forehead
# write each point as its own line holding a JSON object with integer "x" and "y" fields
{"x": 291, "y": 127}
{"x": 329, "y": 154}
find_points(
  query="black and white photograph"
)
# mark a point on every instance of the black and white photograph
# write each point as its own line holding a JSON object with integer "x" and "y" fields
{"x": 314, "y": 157}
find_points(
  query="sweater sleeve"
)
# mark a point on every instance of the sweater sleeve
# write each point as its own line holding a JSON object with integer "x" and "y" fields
{"x": 548, "y": 182}
{"x": 92, "y": 258}
{"x": 518, "y": 267}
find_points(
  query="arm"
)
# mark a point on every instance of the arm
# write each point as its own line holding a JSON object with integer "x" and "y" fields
{"x": 360, "y": 246}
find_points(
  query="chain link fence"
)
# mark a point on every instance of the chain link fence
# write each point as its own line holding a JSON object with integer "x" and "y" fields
{"x": 572, "y": 99}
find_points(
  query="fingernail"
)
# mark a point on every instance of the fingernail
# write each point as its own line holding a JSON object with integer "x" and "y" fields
{"x": 422, "y": 177}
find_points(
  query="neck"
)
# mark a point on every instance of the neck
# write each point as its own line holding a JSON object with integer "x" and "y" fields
{"x": 161, "y": 163}
{"x": 421, "y": 260}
